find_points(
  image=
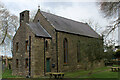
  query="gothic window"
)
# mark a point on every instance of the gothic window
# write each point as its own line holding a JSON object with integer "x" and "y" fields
{"x": 78, "y": 51}
{"x": 65, "y": 47}
{"x": 17, "y": 47}
{"x": 26, "y": 62}
{"x": 16, "y": 63}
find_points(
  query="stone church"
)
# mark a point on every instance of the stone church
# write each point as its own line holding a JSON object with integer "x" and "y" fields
{"x": 51, "y": 43}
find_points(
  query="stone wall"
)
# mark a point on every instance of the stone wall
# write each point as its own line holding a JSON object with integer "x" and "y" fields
{"x": 52, "y": 42}
{"x": 20, "y": 38}
{"x": 37, "y": 53}
{"x": 85, "y": 42}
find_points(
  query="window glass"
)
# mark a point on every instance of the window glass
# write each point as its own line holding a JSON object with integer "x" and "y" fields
{"x": 46, "y": 45}
{"x": 17, "y": 47}
{"x": 16, "y": 63}
{"x": 78, "y": 51}
{"x": 65, "y": 47}
{"x": 26, "y": 46}
{"x": 26, "y": 62}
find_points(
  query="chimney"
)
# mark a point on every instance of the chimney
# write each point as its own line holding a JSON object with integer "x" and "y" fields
{"x": 24, "y": 16}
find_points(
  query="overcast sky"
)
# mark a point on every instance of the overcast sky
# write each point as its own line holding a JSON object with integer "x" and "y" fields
{"x": 79, "y": 11}
{"x": 74, "y": 10}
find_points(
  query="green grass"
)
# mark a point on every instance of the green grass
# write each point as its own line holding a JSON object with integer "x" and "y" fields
{"x": 8, "y": 74}
{"x": 116, "y": 65}
{"x": 103, "y": 72}
{"x": 75, "y": 74}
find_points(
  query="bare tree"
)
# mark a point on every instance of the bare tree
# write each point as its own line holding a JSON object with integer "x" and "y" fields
{"x": 8, "y": 24}
{"x": 110, "y": 9}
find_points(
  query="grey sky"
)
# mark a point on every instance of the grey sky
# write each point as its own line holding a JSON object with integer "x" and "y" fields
{"x": 78, "y": 11}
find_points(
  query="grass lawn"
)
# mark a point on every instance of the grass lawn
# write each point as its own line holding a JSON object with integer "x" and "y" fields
{"x": 104, "y": 72}
{"x": 8, "y": 74}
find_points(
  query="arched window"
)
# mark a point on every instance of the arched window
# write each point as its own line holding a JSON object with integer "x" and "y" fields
{"x": 65, "y": 47}
{"x": 78, "y": 51}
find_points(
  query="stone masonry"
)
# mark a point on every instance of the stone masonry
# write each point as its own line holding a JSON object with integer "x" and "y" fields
{"x": 47, "y": 53}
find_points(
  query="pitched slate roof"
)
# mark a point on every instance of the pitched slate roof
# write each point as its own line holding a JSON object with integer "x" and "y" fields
{"x": 70, "y": 26}
{"x": 38, "y": 30}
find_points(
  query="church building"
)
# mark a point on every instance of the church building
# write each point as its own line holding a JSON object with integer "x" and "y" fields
{"x": 52, "y": 43}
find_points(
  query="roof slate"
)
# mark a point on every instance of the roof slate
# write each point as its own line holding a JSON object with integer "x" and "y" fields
{"x": 38, "y": 30}
{"x": 70, "y": 26}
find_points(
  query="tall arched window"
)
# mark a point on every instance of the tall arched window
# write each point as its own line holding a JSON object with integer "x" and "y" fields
{"x": 65, "y": 47}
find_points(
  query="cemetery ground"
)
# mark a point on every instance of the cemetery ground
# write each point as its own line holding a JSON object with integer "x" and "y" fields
{"x": 103, "y": 72}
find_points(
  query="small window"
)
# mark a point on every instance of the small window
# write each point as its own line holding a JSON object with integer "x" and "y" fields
{"x": 22, "y": 15}
{"x": 38, "y": 19}
{"x": 26, "y": 62}
{"x": 26, "y": 46}
{"x": 17, "y": 47}
{"x": 78, "y": 51}
{"x": 16, "y": 63}
{"x": 46, "y": 45}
